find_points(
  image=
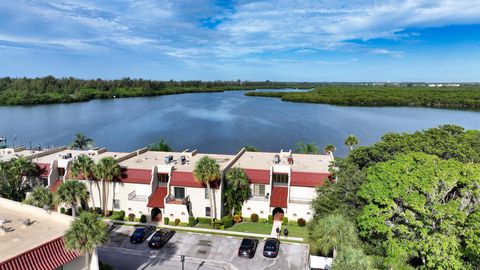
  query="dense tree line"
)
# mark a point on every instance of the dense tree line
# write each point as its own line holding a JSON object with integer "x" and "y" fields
{"x": 26, "y": 91}
{"x": 465, "y": 97}
{"x": 415, "y": 199}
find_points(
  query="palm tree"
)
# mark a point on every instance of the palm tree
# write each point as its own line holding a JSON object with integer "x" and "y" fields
{"x": 15, "y": 176}
{"x": 86, "y": 233}
{"x": 107, "y": 170}
{"x": 40, "y": 197}
{"x": 84, "y": 165}
{"x": 330, "y": 148}
{"x": 207, "y": 171}
{"x": 332, "y": 232}
{"x": 351, "y": 141}
{"x": 236, "y": 189}
{"x": 309, "y": 148}
{"x": 71, "y": 192}
{"x": 81, "y": 141}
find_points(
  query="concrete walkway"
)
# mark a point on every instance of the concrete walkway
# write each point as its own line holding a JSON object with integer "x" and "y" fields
{"x": 276, "y": 224}
{"x": 209, "y": 231}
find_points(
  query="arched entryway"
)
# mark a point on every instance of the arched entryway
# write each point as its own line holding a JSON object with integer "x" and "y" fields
{"x": 156, "y": 214}
{"x": 277, "y": 214}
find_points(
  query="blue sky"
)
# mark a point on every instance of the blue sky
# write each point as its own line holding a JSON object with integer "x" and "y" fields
{"x": 324, "y": 40}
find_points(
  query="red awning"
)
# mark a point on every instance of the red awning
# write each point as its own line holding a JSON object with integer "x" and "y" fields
{"x": 157, "y": 198}
{"x": 136, "y": 176}
{"x": 279, "y": 197}
{"x": 56, "y": 185}
{"x": 308, "y": 179}
{"x": 258, "y": 176}
{"x": 45, "y": 257}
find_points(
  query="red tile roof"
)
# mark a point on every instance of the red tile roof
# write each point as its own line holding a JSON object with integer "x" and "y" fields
{"x": 186, "y": 179}
{"x": 308, "y": 179}
{"x": 258, "y": 176}
{"x": 43, "y": 168}
{"x": 157, "y": 198}
{"x": 279, "y": 197}
{"x": 56, "y": 185}
{"x": 136, "y": 176}
{"x": 45, "y": 257}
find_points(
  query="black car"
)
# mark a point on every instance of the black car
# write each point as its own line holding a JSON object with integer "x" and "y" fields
{"x": 248, "y": 247}
{"x": 271, "y": 247}
{"x": 160, "y": 238}
{"x": 141, "y": 234}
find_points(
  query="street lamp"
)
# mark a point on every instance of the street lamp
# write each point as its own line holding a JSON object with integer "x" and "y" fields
{"x": 182, "y": 259}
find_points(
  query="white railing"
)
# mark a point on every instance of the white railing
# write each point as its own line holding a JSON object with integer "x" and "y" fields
{"x": 300, "y": 200}
{"x": 134, "y": 197}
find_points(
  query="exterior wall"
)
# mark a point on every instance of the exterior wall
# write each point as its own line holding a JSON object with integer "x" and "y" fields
{"x": 129, "y": 206}
{"x": 302, "y": 193}
{"x": 299, "y": 210}
{"x": 257, "y": 205}
{"x": 53, "y": 175}
{"x": 80, "y": 263}
{"x": 198, "y": 201}
{"x": 174, "y": 211}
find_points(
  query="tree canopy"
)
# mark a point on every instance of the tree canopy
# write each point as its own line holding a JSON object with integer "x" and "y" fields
{"x": 161, "y": 146}
{"x": 236, "y": 189}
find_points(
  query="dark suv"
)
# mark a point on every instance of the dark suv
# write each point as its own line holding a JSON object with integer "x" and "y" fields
{"x": 141, "y": 234}
{"x": 248, "y": 247}
{"x": 271, "y": 247}
{"x": 160, "y": 238}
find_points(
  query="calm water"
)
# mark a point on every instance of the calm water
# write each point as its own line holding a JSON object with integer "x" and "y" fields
{"x": 215, "y": 122}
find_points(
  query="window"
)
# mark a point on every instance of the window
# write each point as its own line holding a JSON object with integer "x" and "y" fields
{"x": 259, "y": 190}
{"x": 179, "y": 192}
{"x": 207, "y": 196}
{"x": 116, "y": 204}
{"x": 280, "y": 178}
{"x": 207, "y": 211}
{"x": 162, "y": 178}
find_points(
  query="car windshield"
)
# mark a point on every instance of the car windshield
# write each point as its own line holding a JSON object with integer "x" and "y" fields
{"x": 138, "y": 232}
{"x": 270, "y": 246}
{"x": 246, "y": 243}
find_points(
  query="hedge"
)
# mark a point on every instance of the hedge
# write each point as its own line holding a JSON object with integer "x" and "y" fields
{"x": 192, "y": 221}
{"x": 227, "y": 222}
{"x": 204, "y": 220}
{"x": 285, "y": 221}
{"x": 143, "y": 219}
{"x": 270, "y": 219}
{"x": 118, "y": 215}
{"x": 301, "y": 222}
{"x": 166, "y": 220}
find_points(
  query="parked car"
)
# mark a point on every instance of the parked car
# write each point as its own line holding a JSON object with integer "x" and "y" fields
{"x": 160, "y": 238}
{"x": 271, "y": 247}
{"x": 248, "y": 247}
{"x": 141, "y": 234}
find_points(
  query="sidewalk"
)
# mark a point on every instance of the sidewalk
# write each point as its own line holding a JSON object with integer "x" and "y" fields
{"x": 211, "y": 231}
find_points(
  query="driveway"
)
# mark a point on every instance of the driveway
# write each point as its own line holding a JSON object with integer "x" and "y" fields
{"x": 202, "y": 252}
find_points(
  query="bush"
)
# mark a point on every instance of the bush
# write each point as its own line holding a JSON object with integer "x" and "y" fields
{"x": 222, "y": 227}
{"x": 108, "y": 213}
{"x": 227, "y": 222}
{"x": 254, "y": 217}
{"x": 118, "y": 215}
{"x": 270, "y": 219}
{"x": 204, "y": 220}
{"x": 217, "y": 224}
{"x": 143, "y": 219}
{"x": 285, "y": 221}
{"x": 166, "y": 220}
{"x": 262, "y": 220}
{"x": 177, "y": 222}
{"x": 183, "y": 224}
{"x": 62, "y": 210}
{"x": 237, "y": 218}
{"x": 301, "y": 222}
{"x": 192, "y": 222}
{"x": 96, "y": 210}
{"x": 131, "y": 217}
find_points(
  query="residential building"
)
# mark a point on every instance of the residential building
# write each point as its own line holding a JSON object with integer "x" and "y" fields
{"x": 32, "y": 239}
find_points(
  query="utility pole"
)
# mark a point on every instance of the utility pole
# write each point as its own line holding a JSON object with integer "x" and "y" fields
{"x": 182, "y": 258}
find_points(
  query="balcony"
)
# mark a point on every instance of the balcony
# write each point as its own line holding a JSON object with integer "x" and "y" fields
{"x": 299, "y": 200}
{"x": 134, "y": 197}
{"x": 172, "y": 200}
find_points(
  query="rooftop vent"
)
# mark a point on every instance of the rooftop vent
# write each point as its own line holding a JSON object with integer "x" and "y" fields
{"x": 276, "y": 159}
{"x": 183, "y": 160}
{"x": 168, "y": 159}
{"x": 67, "y": 156}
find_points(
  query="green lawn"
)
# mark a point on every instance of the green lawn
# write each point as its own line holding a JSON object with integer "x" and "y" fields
{"x": 252, "y": 227}
{"x": 203, "y": 226}
{"x": 297, "y": 231}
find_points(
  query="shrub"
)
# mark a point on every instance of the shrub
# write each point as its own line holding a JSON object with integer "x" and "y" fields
{"x": 183, "y": 224}
{"x": 192, "y": 222}
{"x": 217, "y": 224}
{"x": 222, "y": 227}
{"x": 254, "y": 217}
{"x": 108, "y": 213}
{"x": 62, "y": 210}
{"x": 143, "y": 219}
{"x": 118, "y": 215}
{"x": 285, "y": 221}
{"x": 301, "y": 222}
{"x": 131, "y": 217}
{"x": 270, "y": 219}
{"x": 237, "y": 218}
{"x": 166, "y": 220}
{"x": 227, "y": 222}
{"x": 204, "y": 220}
{"x": 177, "y": 222}
{"x": 262, "y": 220}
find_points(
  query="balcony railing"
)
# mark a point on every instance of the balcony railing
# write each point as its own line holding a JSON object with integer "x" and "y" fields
{"x": 300, "y": 200}
{"x": 134, "y": 197}
{"x": 171, "y": 199}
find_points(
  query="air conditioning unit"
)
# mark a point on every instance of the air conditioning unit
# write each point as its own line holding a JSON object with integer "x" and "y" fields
{"x": 276, "y": 159}
{"x": 168, "y": 159}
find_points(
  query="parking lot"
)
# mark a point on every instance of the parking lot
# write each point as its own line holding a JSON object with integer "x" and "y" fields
{"x": 202, "y": 252}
